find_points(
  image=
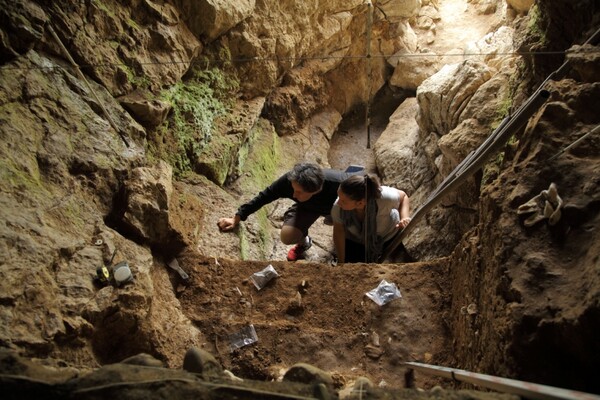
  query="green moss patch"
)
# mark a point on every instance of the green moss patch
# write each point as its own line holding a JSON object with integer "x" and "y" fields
{"x": 260, "y": 169}
{"x": 196, "y": 104}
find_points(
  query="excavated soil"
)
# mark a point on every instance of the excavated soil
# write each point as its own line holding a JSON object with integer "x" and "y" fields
{"x": 319, "y": 314}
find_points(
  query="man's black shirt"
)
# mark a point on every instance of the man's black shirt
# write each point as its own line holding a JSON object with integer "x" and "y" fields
{"x": 282, "y": 188}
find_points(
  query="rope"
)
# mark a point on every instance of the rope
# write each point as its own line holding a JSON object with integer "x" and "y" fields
{"x": 574, "y": 144}
{"x": 306, "y": 58}
{"x": 369, "y": 72}
{"x": 82, "y": 77}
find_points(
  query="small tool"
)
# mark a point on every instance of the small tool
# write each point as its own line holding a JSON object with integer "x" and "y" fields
{"x": 103, "y": 272}
{"x": 174, "y": 264}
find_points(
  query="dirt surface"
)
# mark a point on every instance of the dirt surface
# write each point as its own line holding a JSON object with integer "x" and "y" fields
{"x": 460, "y": 24}
{"x": 352, "y": 144}
{"x": 319, "y": 314}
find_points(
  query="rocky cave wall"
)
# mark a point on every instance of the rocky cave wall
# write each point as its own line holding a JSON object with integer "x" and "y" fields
{"x": 73, "y": 191}
{"x": 534, "y": 289}
{"x": 74, "y": 194}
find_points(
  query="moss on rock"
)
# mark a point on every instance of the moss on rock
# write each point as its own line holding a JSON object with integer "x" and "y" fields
{"x": 189, "y": 129}
{"x": 260, "y": 168}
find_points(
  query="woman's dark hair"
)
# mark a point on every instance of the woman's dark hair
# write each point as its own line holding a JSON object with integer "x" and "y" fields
{"x": 309, "y": 176}
{"x": 359, "y": 187}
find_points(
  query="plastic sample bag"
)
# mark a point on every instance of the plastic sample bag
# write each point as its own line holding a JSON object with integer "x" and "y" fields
{"x": 261, "y": 278}
{"x": 244, "y": 337}
{"x": 384, "y": 293}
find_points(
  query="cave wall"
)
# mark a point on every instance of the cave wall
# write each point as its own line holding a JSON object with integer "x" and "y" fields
{"x": 79, "y": 186}
{"x": 525, "y": 298}
{"x": 64, "y": 171}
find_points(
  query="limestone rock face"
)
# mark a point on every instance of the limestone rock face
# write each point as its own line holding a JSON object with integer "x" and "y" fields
{"x": 521, "y": 6}
{"x": 584, "y": 61}
{"x": 208, "y": 19}
{"x": 279, "y": 35}
{"x": 226, "y": 156}
{"x": 124, "y": 43}
{"x": 337, "y": 32}
{"x": 412, "y": 162}
{"x": 496, "y": 47}
{"x": 22, "y": 27}
{"x": 410, "y": 72}
{"x": 128, "y": 53}
{"x": 396, "y": 152}
{"x": 443, "y": 96}
{"x": 148, "y": 111}
{"x": 61, "y": 176}
{"x": 457, "y": 108}
{"x": 396, "y": 9}
{"x": 149, "y": 192}
{"x": 485, "y": 7}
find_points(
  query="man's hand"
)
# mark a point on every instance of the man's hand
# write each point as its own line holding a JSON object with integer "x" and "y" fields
{"x": 227, "y": 224}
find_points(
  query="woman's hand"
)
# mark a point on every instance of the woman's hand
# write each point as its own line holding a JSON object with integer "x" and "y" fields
{"x": 403, "y": 223}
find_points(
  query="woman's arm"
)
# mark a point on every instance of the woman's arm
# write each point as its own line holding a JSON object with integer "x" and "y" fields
{"x": 404, "y": 209}
{"x": 339, "y": 241}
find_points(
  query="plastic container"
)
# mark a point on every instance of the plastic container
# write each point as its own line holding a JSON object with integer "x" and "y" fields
{"x": 122, "y": 273}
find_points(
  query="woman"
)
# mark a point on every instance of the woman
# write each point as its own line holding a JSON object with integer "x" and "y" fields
{"x": 365, "y": 217}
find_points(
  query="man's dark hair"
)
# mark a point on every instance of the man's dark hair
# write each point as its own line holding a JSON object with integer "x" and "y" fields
{"x": 309, "y": 176}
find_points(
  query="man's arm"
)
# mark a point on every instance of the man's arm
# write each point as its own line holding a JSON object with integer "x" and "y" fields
{"x": 281, "y": 188}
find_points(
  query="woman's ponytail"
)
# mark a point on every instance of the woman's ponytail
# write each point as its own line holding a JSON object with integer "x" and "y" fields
{"x": 372, "y": 186}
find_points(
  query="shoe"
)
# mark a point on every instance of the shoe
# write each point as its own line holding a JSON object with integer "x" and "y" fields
{"x": 328, "y": 220}
{"x": 297, "y": 252}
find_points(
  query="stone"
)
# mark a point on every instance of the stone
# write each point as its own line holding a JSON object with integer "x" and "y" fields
{"x": 208, "y": 19}
{"x": 397, "y": 9}
{"x": 149, "y": 191}
{"x": 373, "y": 352}
{"x": 585, "y": 62}
{"x": 395, "y": 150}
{"x": 410, "y": 72}
{"x": 443, "y": 96}
{"x": 147, "y": 110}
{"x": 199, "y": 361}
{"x": 521, "y": 6}
{"x": 496, "y": 47}
{"x": 305, "y": 373}
{"x": 143, "y": 359}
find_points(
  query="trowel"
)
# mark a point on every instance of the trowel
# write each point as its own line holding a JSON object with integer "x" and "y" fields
{"x": 174, "y": 264}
